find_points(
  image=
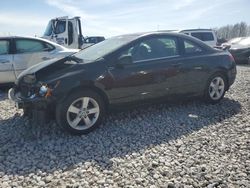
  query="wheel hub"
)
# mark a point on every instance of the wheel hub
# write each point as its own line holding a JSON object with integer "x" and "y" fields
{"x": 217, "y": 87}
{"x": 83, "y": 113}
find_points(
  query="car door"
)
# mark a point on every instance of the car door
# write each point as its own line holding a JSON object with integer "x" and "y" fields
{"x": 60, "y": 32}
{"x": 30, "y": 52}
{"x": 191, "y": 68}
{"x": 7, "y": 74}
{"x": 150, "y": 74}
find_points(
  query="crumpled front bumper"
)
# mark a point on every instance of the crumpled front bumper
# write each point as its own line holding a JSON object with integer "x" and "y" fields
{"x": 21, "y": 102}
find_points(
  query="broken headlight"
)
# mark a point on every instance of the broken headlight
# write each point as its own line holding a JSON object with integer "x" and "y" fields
{"x": 43, "y": 90}
{"x": 46, "y": 90}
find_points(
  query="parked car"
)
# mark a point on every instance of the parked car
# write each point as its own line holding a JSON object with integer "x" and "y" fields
{"x": 208, "y": 36}
{"x": 19, "y": 53}
{"x": 241, "y": 50}
{"x": 89, "y": 41}
{"x": 227, "y": 45}
{"x": 80, "y": 88}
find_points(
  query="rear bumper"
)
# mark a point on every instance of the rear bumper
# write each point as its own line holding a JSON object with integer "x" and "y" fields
{"x": 232, "y": 76}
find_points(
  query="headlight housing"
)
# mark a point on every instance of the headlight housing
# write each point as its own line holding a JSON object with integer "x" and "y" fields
{"x": 29, "y": 79}
{"x": 43, "y": 90}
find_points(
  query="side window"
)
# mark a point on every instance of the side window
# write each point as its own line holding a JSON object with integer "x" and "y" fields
{"x": 48, "y": 47}
{"x": 29, "y": 46}
{"x": 204, "y": 36}
{"x": 191, "y": 48}
{"x": 60, "y": 27}
{"x": 197, "y": 35}
{"x": 87, "y": 40}
{"x": 100, "y": 39}
{"x": 161, "y": 47}
{"x": 208, "y": 36}
{"x": 4, "y": 47}
{"x": 70, "y": 30}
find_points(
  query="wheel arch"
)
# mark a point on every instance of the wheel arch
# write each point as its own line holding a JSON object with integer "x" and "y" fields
{"x": 222, "y": 72}
{"x": 91, "y": 87}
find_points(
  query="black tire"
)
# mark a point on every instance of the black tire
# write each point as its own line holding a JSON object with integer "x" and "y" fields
{"x": 62, "y": 114}
{"x": 207, "y": 95}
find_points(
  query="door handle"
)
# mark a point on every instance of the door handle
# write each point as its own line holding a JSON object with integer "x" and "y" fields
{"x": 4, "y": 61}
{"x": 45, "y": 58}
{"x": 198, "y": 68}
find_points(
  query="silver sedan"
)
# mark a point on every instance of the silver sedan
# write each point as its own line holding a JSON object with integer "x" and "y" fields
{"x": 19, "y": 53}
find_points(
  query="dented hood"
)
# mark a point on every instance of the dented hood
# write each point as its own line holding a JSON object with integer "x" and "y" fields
{"x": 39, "y": 66}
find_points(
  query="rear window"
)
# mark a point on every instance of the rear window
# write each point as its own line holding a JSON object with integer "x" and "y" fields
{"x": 192, "y": 48}
{"x": 204, "y": 36}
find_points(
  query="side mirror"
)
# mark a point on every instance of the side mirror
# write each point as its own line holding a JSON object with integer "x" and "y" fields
{"x": 125, "y": 59}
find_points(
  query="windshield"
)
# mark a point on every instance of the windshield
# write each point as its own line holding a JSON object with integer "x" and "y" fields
{"x": 48, "y": 30}
{"x": 105, "y": 47}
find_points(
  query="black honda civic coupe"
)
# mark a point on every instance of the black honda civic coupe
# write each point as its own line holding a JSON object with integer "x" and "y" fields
{"x": 79, "y": 89}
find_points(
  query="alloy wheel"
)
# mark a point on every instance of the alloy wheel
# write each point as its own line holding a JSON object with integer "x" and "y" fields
{"x": 216, "y": 88}
{"x": 83, "y": 113}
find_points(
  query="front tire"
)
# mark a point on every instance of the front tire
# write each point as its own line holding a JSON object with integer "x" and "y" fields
{"x": 81, "y": 112}
{"x": 215, "y": 88}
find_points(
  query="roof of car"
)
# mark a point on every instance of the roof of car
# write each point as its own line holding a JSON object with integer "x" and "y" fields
{"x": 196, "y": 30}
{"x": 16, "y": 36}
{"x": 169, "y": 33}
{"x": 142, "y": 34}
{"x": 29, "y": 37}
{"x": 25, "y": 37}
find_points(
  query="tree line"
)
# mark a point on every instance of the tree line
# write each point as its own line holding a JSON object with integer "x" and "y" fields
{"x": 232, "y": 31}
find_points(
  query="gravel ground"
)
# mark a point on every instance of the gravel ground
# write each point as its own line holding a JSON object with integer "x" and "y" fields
{"x": 178, "y": 145}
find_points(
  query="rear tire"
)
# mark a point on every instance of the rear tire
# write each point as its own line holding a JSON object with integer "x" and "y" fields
{"x": 215, "y": 88}
{"x": 81, "y": 112}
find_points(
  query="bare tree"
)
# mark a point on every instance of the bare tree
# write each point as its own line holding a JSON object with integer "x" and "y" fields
{"x": 232, "y": 31}
{"x": 243, "y": 29}
{"x": 248, "y": 31}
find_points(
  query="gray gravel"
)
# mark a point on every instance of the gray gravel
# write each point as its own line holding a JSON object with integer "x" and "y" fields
{"x": 178, "y": 145}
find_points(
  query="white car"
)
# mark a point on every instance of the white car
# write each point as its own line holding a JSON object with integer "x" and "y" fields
{"x": 208, "y": 36}
{"x": 231, "y": 42}
{"x": 19, "y": 53}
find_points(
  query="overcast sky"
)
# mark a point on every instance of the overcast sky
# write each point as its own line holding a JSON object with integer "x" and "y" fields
{"x": 114, "y": 17}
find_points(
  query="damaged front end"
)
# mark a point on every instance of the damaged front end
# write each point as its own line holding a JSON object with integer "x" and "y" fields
{"x": 39, "y": 88}
{"x": 34, "y": 97}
